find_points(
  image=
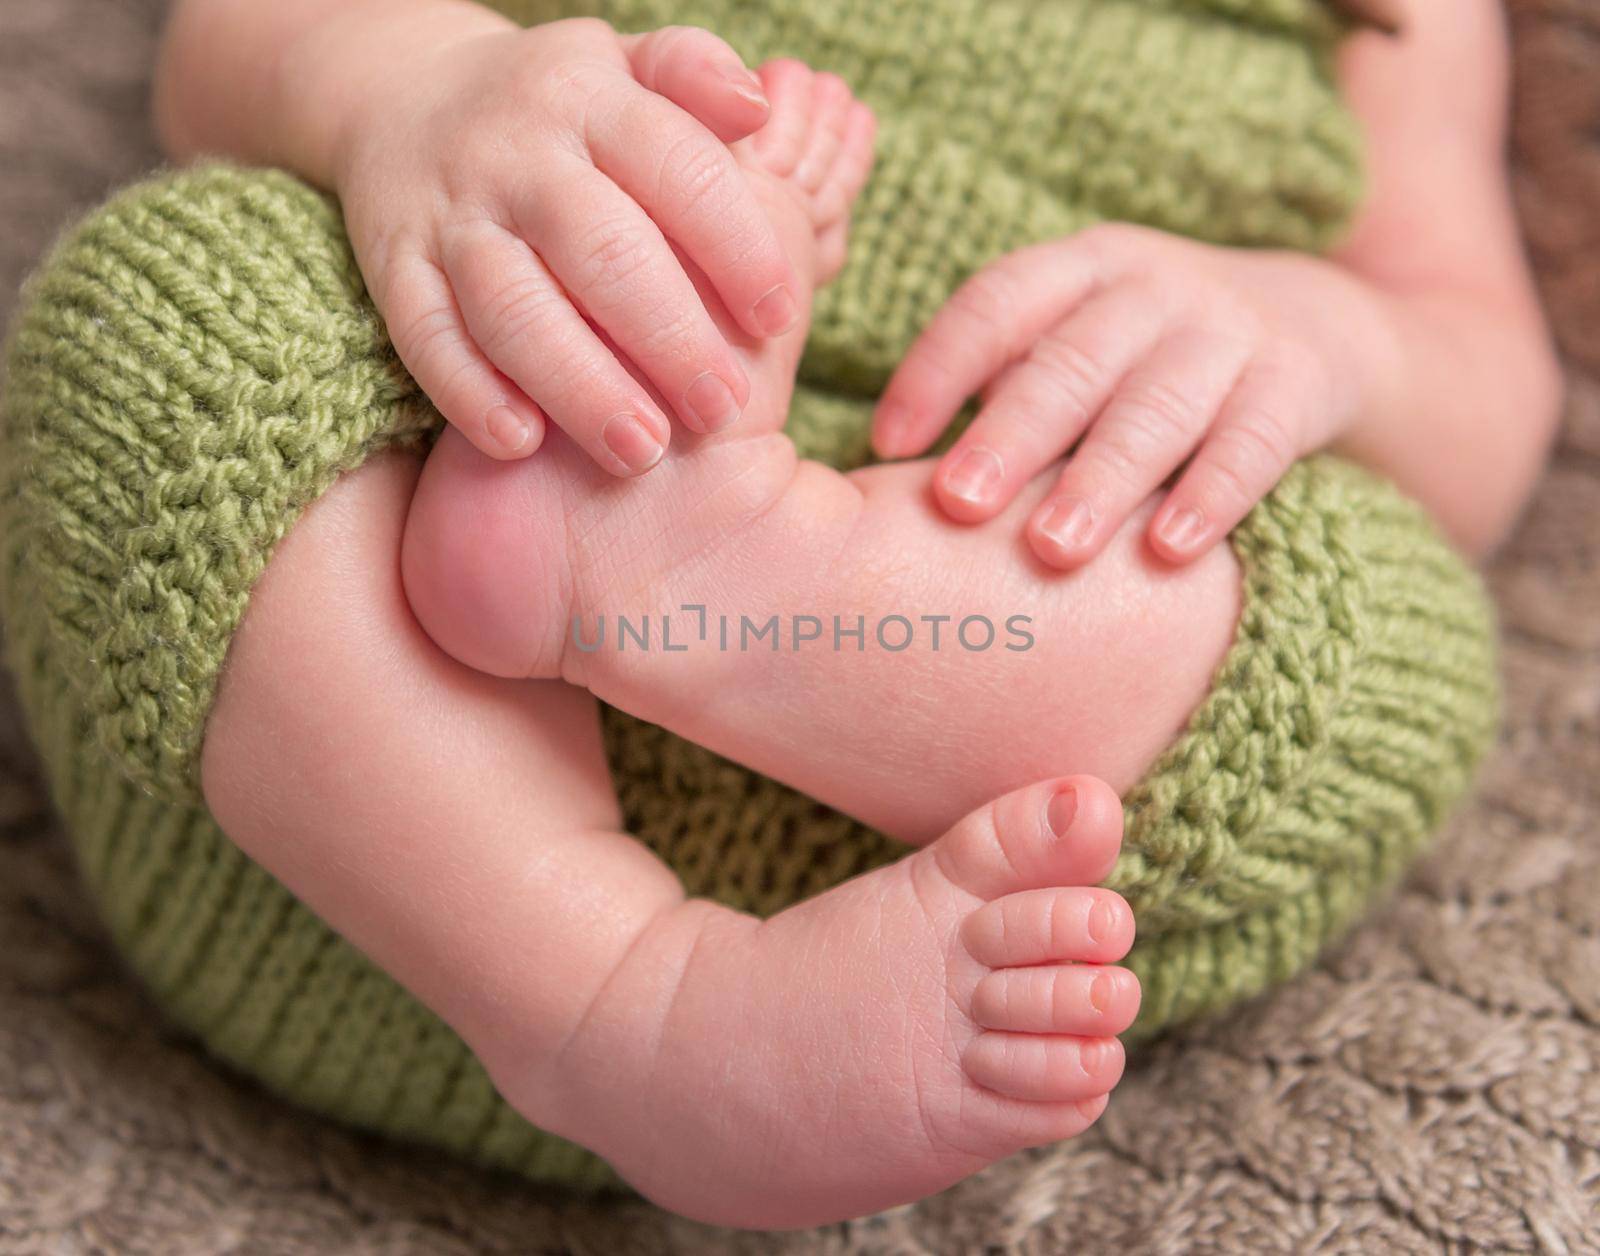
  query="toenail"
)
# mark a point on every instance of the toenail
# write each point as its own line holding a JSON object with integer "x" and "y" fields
{"x": 507, "y": 428}
{"x": 1102, "y": 920}
{"x": 1095, "y": 1055}
{"x": 775, "y": 313}
{"x": 1067, "y": 522}
{"x": 1103, "y": 991}
{"x": 712, "y": 402}
{"x": 746, "y": 86}
{"x": 1181, "y": 529}
{"x": 975, "y": 476}
{"x": 631, "y": 442}
{"x": 1063, "y": 806}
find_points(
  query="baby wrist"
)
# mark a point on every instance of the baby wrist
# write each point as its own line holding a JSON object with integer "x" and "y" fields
{"x": 349, "y": 68}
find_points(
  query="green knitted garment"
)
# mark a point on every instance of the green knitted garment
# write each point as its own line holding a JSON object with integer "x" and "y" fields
{"x": 198, "y": 360}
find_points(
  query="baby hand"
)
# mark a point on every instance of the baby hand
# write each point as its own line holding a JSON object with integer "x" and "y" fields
{"x": 525, "y": 206}
{"x": 1153, "y": 350}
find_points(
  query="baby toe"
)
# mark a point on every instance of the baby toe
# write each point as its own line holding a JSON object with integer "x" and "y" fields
{"x": 830, "y": 115}
{"x": 1043, "y": 1068}
{"x": 852, "y": 164}
{"x": 1019, "y": 1124}
{"x": 831, "y": 246}
{"x": 778, "y": 146}
{"x": 1063, "y": 832}
{"x": 1073, "y": 924}
{"x": 1081, "y": 999}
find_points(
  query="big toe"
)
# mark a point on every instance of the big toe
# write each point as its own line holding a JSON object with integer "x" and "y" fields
{"x": 482, "y": 561}
{"x": 1062, "y": 832}
{"x": 778, "y": 146}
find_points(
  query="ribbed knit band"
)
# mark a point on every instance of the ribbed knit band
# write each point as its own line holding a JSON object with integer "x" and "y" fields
{"x": 198, "y": 361}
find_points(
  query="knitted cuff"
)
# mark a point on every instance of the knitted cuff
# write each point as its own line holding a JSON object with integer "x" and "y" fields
{"x": 1347, "y": 719}
{"x": 194, "y": 364}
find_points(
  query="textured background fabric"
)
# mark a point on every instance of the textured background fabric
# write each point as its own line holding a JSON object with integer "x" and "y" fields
{"x": 1437, "y": 1082}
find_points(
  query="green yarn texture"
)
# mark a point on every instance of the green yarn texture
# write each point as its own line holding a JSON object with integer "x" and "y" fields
{"x": 198, "y": 360}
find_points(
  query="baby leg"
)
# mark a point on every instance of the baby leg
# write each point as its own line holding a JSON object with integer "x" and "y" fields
{"x": 862, "y": 1049}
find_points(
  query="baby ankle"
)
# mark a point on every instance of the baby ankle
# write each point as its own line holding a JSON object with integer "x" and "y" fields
{"x": 588, "y": 1090}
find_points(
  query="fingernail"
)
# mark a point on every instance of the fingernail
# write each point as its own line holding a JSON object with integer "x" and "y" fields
{"x": 1182, "y": 528}
{"x": 775, "y": 313}
{"x": 1068, "y": 522}
{"x": 1102, "y": 920}
{"x": 507, "y": 428}
{"x": 1061, "y": 809}
{"x": 712, "y": 402}
{"x": 746, "y": 86}
{"x": 632, "y": 442}
{"x": 975, "y": 477}
{"x": 1102, "y": 991}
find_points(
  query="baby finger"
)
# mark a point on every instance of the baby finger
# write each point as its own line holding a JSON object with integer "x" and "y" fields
{"x": 1245, "y": 455}
{"x": 1045, "y": 402}
{"x": 1150, "y": 426}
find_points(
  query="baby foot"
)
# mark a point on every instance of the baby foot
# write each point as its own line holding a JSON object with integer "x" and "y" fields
{"x": 499, "y": 556}
{"x": 877, "y": 1043}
